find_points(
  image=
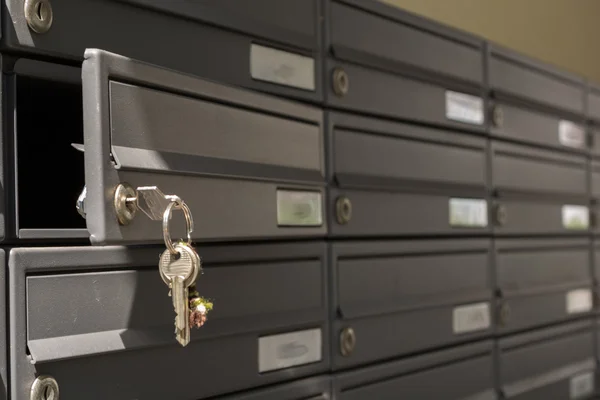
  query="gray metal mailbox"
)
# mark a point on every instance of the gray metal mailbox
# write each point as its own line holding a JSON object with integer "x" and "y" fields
{"x": 518, "y": 78}
{"x": 554, "y": 363}
{"x": 92, "y": 315}
{"x": 267, "y": 45}
{"x": 399, "y": 179}
{"x": 542, "y": 281}
{"x": 395, "y": 298}
{"x": 461, "y": 373}
{"x": 250, "y": 166}
{"x": 383, "y": 61}
{"x": 318, "y": 388}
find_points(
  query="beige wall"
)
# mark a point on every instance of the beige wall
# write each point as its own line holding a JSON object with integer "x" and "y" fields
{"x": 565, "y": 33}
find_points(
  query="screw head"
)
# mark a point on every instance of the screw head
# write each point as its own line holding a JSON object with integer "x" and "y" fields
{"x": 347, "y": 341}
{"x": 343, "y": 210}
{"x": 44, "y": 388}
{"x": 497, "y": 116}
{"x": 341, "y": 82}
{"x": 500, "y": 214}
{"x": 124, "y": 207}
{"x": 39, "y": 15}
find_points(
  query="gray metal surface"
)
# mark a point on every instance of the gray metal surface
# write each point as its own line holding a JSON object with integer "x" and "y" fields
{"x": 525, "y": 169}
{"x": 385, "y": 94}
{"x": 193, "y": 37}
{"x": 540, "y": 215}
{"x": 535, "y": 277}
{"x": 318, "y": 388}
{"x": 593, "y": 102}
{"x": 402, "y": 297}
{"x": 206, "y": 175}
{"x": 512, "y": 75}
{"x": 4, "y": 329}
{"x": 370, "y": 153}
{"x": 90, "y": 315}
{"x": 394, "y": 39}
{"x": 533, "y": 364}
{"x": 459, "y": 373}
{"x": 533, "y": 127}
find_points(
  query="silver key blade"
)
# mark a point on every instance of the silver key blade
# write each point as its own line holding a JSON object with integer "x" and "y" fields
{"x": 181, "y": 305}
{"x": 152, "y": 202}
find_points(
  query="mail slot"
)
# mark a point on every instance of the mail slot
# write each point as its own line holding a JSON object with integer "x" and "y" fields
{"x": 512, "y": 75}
{"x": 542, "y": 281}
{"x": 267, "y": 45}
{"x": 368, "y": 32}
{"x": 526, "y": 169}
{"x": 374, "y": 153}
{"x": 91, "y": 315}
{"x": 318, "y": 388}
{"x": 248, "y": 165}
{"x": 538, "y": 128}
{"x": 394, "y": 298}
{"x": 554, "y": 363}
{"x": 455, "y": 374}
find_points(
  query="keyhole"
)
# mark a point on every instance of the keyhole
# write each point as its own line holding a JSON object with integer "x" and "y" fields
{"x": 40, "y": 11}
{"x": 48, "y": 393}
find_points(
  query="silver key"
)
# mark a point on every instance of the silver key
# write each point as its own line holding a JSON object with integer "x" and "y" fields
{"x": 179, "y": 272}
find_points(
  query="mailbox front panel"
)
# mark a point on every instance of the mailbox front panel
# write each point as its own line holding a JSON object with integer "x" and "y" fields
{"x": 88, "y": 315}
{"x": 248, "y": 165}
{"x": 403, "y": 297}
{"x": 266, "y": 46}
{"x": 560, "y": 358}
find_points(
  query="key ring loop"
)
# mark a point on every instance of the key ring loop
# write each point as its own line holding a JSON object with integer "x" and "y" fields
{"x": 177, "y": 204}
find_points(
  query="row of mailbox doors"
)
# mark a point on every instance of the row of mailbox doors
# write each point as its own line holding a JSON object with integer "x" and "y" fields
{"x": 252, "y": 166}
{"x": 92, "y": 315}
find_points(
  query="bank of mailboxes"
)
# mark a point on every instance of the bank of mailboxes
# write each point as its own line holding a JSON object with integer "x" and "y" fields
{"x": 384, "y": 207}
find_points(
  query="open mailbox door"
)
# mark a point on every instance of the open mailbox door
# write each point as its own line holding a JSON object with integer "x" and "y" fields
{"x": 249, "y": 166}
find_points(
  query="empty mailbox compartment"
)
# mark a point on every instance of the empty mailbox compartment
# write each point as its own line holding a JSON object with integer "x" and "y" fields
{"x": 266, "y": 46}
{"x": 542, "y": 281}
{"x": 401, "y": 179}
{"x": 515, "y": 123}
{"x": 90, "y": 315}
{"x": 554, "y": 363}
{"x": 455, "y": 374}
{"x": 515, "y": 77}
{"x": 397, "y": 298}
{"x": 249, "y": 166}
{"x": 386, "y": 62}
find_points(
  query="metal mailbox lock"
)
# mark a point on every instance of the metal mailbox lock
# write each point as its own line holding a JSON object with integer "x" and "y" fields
{"x": 497, "y": 116}
{"x": 347, "y": 341}
{"x": 341, "y": 82}
{"x": 343, "y": 210}
{"x": 500, "y": 214}
{"x": 125, "y": 203}
{"x": 39, "y": 15}
{"x": 44, "y": 388}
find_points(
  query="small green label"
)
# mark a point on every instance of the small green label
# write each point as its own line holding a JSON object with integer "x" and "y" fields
{"x": 299, "y": 208}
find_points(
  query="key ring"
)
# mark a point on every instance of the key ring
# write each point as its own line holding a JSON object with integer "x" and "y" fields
{"x": 177, "y": 204}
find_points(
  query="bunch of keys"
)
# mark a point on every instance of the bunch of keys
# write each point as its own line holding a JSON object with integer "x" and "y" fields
{"x": 179, "y": 267}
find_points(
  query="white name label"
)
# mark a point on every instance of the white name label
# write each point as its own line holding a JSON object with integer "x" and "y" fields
{"x": 579, "y": 301}
{"x": 571, "y": 135}
{"x": 282, "y": 67}
{"x": 464, "y": 108}
{"x": 582, "y": 385}
{"x": 289, "y": 349}
{"x": 575, "y": 217}
{"x": 471, "y": 318}
{"x": 468, "y": 213}
{"x": 298, "y": 208}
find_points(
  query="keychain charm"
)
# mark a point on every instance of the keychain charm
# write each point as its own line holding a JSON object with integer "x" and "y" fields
{"x": 199, "y": 307}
